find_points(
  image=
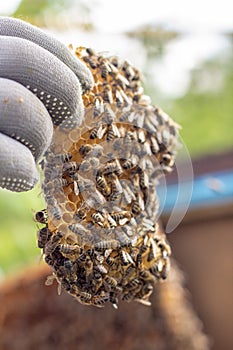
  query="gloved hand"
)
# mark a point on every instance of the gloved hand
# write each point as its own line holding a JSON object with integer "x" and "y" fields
{"x": 41, "y": 83}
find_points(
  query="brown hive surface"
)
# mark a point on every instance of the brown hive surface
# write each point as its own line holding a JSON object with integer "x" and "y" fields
{"x": 33, "y": 316}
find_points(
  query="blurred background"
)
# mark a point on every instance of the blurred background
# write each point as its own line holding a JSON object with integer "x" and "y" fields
{"x": 184, "y": 49}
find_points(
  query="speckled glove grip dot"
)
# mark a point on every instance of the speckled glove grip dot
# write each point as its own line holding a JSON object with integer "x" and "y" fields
{"x": 100, "y": 232}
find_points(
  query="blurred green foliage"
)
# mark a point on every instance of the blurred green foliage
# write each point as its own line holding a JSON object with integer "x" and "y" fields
{"x": 206, "y": 112}
{"x": 17, "y": 229}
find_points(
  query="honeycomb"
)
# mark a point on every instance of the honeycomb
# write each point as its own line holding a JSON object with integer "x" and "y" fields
{"x": 100, "y": 233}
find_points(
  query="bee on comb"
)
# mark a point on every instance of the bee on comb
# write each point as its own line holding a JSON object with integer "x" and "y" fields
{"x": 103, "y": 240}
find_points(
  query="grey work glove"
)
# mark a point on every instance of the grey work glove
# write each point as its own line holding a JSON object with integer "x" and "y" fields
{"x": 41, "y": 83}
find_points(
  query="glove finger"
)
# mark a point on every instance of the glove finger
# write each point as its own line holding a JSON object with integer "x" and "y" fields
{"x": 45, "y": 75}
{"x": 18, "y": 28}
{"x": 24, "y": 118}
{"x": 18, "y": 169}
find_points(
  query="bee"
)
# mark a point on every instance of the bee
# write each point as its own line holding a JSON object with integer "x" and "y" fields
{"x": 59, "y": 183}
{"x": 94, "y": 162}
{"x": 128, "y": 194}
{"x": 69, "y": 250}
{"x": 64, "y": 158}
{"x": 114, "y": 60}
{"x": 43, "y": 237}
{"x": 70, "y": 168}
{"x": 129, "y": 272}
{"x": 154, "y": 145}
{"x": 96, "y": 152}
{"x": 90, "y": 51}
{"x": 52, "y": 245}
{"x": 157, "y": 268}
{"x": 93, "y": 134}
{"x": 110, "y": 261}
{"x": 139, "y": 260}
{"x": 153, "y": 251}
{"x": 113, "y": 299}
{"x": 84, "y": 297}
{"x": 98, "y": 107}
{"x": 126, "y": 257}
{"x": 50, "y": 279}
{"x": 113, "y": 132}
{"x": 135, "y": 208}
{"x": 112, "y": 223}
{"x": 97, "y": 282}
{"x": 165, "y": 270}
{"x": 125, "y": 116}
{"x": 112, "y": 167}
{"x": 129, "y": 296}
{"x": 55, "y": 211}
{"x": 124, "y": 239}
{"x": 65, "y": 284}
{"x": 85, "y": 166}
{"x": 41, "y": 216}
{"x": 78, "y": 229}
{"x": 128, "y": 231}
{"x": 102, "y": 269}
{"x": 88, "y": 266}
{"x": 80, "y": 215}
{"x": 63, "y": 272}
{"x": 112, "y": 282}
{"x": 133, "y": 284}
{"x": 141, "y": 136}
{"x": 76, "y": 188}
{"x": 104, "y": 69}
{"x": 84, "y": 184}
{"x": 49, "y": 260}
{"x": 146, "y": 276}
{"x": 98, "y": 218}
{"x": 129, "y": 141}
{"x": 125, "y": 65}
{"x": 107, "y": 94}
{"x": 167, "y": 159}
{"x": 121, "y": 217}
{"x": 95, "y": 198}
{"x": 128, "y": 163}
{"x": 164, "y": 248}
{"x": 82, "y": 259}
{"x": 122, "y": 83}
{"x": 100, "y": 300}
{"x": 143, "y": 180}
{"x": 116, "y": 188}
{"x": 85, "y": 149}
{"x": 143, "y": 301}
{"x": 110, "y": 134}
{"x": 110, "y": 244}
{"x": 98, "y": 132}
{"x": 144, "y": 294}
{"x": 51, "y": 173}
{"x": 130, "y": 73}
{"x": 103, "y": 185}
{"x": 119, "y": 99}
{"x": 68, "y": 264}
{"x": 90, "y": 61}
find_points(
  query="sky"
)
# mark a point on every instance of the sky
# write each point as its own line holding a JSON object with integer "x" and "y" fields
{"x": 188, "y": 15}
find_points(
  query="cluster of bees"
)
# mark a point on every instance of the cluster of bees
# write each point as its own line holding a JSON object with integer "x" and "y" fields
{"x": 100, "y": 234}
